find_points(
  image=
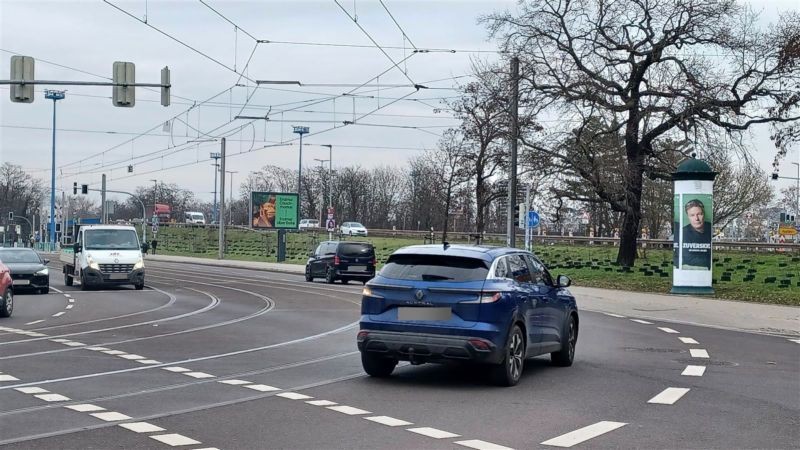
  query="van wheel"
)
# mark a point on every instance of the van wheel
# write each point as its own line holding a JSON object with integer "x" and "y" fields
{"x": 377, "y": 366}
{"x": 138, "y": 287}
{"x": 67, "y": 280}
{"x": 84, "y": 285}
{"x": 308, "y": 274}
{"x": 330, "y": 276}
{"x": 345, "y": 281}
{"x": 7, "y": 305}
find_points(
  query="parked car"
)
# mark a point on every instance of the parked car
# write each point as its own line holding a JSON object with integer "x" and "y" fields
{"x": 342, "y": 260}
{"x": 308, "y": 224}
{"x": 28, "y": 270}
{"x": 488, "y": 305}
{"x": 6, "y": 292}
{"x": 353, "y": 229}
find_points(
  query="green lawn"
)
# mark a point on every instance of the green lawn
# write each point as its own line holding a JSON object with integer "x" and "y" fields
{"x": 750, "y": 274}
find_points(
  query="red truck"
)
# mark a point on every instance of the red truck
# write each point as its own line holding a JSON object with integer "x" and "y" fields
{"x": 6, "y": 292}
{"x": 163, "y": 212}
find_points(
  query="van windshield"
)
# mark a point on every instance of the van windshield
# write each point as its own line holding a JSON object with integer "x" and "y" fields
{"x": 110, "y": 240}
{"x": 197, "y": 216}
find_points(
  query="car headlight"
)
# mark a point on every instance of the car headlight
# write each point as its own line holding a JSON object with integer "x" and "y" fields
{"x": 139, "y": 264}
{"x": 43, "y": 272}
{"x": 92, "y": 263}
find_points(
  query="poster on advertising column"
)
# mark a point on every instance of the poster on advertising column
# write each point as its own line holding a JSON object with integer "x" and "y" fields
{"x": 694, "y": 218}
{"x": 274, "y": 210}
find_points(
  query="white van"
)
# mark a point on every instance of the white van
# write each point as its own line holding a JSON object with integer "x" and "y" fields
{"x": 194, "y": 217}
{"x": 104, "y": 255}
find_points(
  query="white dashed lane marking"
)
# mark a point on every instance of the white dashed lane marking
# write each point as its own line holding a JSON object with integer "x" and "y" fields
{"x": 74, "y": 344}
{"x": 52, "y": 397}
{"x": 85, "y": 408}
{"x": 694, "y": 371}
{"x": 614, "y": 315}
{"x": 113, "y": 352}
{"x": 176, "y": 369}
{"x": 688, "y": 340}
{"x": 111, "y": 416}
{"x": 234, "y": 382}
{"x": 148, "y": 361}
{"x": 69, "y": 306}
{"x": 293, "y": 395}
{"x": 433, "y": 432}
{"x": 262, "y": 387}
{"x": 349, "y": 410}
{"x": 175, "y": 439}
{"x": 698, "y": 353}
{"x": 584, "y": 434}
{"x": 31, "y": 390}
{"x": 141, "y": 427}
{"x": 199, "y": 375}
{"x": 796, "y": 341}
{"x": 388, "y": 421}
{"x": 641, "y": 321}
{"x": 667, "y": 330}
{"x": 35, "y": 322}
{"x": 132, "y": 356}
{"x": 4, "y": 377}
{"x": 97, "y": 349}
{"x": 321, "y": 403}
{"x": 481, "y": 445}
{"x": 58, "y": 314}
{"x": 60, "y": 341}
{"x": 669, "y": 396}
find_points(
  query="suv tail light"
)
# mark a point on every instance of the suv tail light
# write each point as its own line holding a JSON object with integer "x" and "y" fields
{"x": 336, "y": 260}
{"x": 490, "y": 297}
{"x": 374, "y": 261}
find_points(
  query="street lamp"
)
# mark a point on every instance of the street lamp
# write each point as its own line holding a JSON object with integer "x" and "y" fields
{"x": 55, "y": 96}
{"x": 322, "y": 200}
{"x": 230, "y": 205}
{"x": 330, "y": 181}
{"x": 215, "y": 156}
{"x": 155, "y": 197}
{"x": 301, "y": 131}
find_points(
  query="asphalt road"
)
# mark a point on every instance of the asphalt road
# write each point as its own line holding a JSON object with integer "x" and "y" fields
{"x": 224, "y": 358}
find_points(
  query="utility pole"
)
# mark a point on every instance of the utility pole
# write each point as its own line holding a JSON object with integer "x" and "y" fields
{"x": 55, "y": 96}
{"x": 215, "y": 156}
{"x": 330, "y": 182}
{"x": 221, "y": 220}
{"x": 230, "y": 196}
{"x": 103, "y": 208}
{"x": 322, "y": 194}
{"x": 512, "y": 179}
{"x": 301, "y": 131}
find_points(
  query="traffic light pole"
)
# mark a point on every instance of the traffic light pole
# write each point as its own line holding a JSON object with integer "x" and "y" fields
{"x": 512, "y": 179}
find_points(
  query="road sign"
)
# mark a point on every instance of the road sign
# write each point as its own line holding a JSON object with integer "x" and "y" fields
{"x": 330, "y": 225}
{"x": 787, "y": 230}
{"x": 533, "y": 219}
{"x": 155, "y": 228}
{"x": 154, "y": 220}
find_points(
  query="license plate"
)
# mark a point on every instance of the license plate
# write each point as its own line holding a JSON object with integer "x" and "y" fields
{"x": 118, "y": 276}
{"x": 423, "y": 313}
{"x": 21, "y": 282}
{"x": 357, "y": 268}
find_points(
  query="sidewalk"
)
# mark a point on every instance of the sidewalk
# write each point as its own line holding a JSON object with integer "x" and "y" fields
{"x": 726, "y": 314}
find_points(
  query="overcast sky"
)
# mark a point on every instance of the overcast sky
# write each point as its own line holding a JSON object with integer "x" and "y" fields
{"x": 95, "y": 137}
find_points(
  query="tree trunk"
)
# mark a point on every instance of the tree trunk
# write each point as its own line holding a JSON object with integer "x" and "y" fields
{"x": 633, "y": 193}
{"x": 480, "y": 193}
{"x": 446, "y": 214}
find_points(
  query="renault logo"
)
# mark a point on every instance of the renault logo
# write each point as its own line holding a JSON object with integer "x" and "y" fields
{"x": 419, "y": 294}
{"x": 116, "y": 261}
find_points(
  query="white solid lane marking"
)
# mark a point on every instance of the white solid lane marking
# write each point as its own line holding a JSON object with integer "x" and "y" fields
{"x": 97, "y": 349}
{"x": 584, "y": 434}
{"x": 74, "y": 344}
{"x": 611, "y": 315}
{"x": 133, "y": 356}
{"x": 52, "y": 397}
{"x": 31, "y": 390}
{"x": 688, "y": 340}
{"x": 694, "y": 371}
{"x": 69, "y": 306}
{"x": 33, "y": 334}
{"x": 433, "y": 432}
{"x": 207, "y": 448}
{"x": 698, "y": 353}
{"x": 35, "y": 322}
{"x": 60, "y": 341}
{"x": 111, "y": 416}
{"x": 667, "y": 330}
{"x": 72, "y": 300}
{"x": 234, "y": 382}
{"x": 293, "y": 396}
{"x": 174, "y": 439}
{"x": 176, "y": 369}
{"x": 85, "y": 408}
{"x": 641, "y": 321}
{"x": 113, "y": 352}
{"x": 797, "y": 341}
{"x": 262, "y": 387}
{"x": 141, "y": 427}
{"x": 482, "y": 445}
{"x": 199, "y": 375}
{"x": 8, "y": 378}
{"x": 388, "y": 421}
{"x": 349, "y": 410}
{"x": 148, "y": 361}
{"x": 65, "y": 295}
{"x": 321, "y": 403}
{"x": 669, "y": 396}
{"x": 58, "y": 314}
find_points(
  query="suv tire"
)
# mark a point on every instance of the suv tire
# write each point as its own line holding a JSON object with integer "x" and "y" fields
{"x": 565, "y": 356}
{"x": 377, "y": 366}
{"x": 7, "y": 303}
{"x": 308, "y": 274}
{"x": 509, "y": 371}
{"x": 330, "y": 276}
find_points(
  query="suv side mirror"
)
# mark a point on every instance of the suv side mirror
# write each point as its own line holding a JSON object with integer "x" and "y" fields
{"x": 45, "y": 261}
{"x": 77, "y": 247}
{"x": 563, "y": 281}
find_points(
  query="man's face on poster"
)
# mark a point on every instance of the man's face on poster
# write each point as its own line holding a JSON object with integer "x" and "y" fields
{"x": 696, "y": 217}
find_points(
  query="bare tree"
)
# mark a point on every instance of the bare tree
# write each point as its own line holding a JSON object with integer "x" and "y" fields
{"x": 648, "y": 66}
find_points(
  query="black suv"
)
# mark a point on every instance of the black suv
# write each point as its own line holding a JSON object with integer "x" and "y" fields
{"x": 342, "y": 260}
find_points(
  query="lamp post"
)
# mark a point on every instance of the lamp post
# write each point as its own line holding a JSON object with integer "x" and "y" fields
{"x": 322, "y": 200}
{"x": 155, "y": 197}
{"x": 230, "y": 204}
{"x": 330, "y": 181}
{"x": 55, "y": 96}
{"x": 301, "y": 131}
{"x": 215, "y": 156}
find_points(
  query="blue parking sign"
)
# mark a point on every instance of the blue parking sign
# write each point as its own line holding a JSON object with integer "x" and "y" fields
{"x": 533, "y": 219}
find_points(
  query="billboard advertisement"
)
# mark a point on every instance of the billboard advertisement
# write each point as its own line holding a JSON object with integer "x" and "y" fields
{"x": 274, "y": 210}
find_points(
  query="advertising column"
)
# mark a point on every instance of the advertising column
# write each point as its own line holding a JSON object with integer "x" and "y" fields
{"x": 692, "y": 228}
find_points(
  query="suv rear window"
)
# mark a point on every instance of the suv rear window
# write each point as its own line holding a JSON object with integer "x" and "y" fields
{"x": 356, "y": 250}
{"x": 434, "y": 268}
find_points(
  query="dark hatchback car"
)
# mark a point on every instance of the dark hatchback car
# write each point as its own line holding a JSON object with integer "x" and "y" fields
{"x": 488, "y": 305}
{"x": 342, "y": 260}
{"x": 28, "y": 270}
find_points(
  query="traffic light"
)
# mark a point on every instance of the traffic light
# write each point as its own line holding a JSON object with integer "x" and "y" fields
{"x": 84, "y": 189}
{"x": 165, "y": 86}
{"x": 22, "y": 70}
{"x": 74, "y": 188}
{"x": 123, "y": 73}
{"x": 775, "y": 175}
{"x": 11, "y": 215}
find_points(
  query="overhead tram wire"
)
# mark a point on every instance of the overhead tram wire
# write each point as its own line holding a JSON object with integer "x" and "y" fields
{"x": 388, "y": 47}
{"x": 405, "y": 35}
{"x": 229, "y": 21}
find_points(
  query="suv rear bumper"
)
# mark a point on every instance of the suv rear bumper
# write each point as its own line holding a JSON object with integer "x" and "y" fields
{"x": 420, "y": 348}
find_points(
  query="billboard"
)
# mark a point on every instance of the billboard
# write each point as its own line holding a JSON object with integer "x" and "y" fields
{"x": 274, "y": 210}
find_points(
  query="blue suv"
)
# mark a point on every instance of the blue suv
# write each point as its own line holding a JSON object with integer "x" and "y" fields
{"x": 489, "y": 305}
